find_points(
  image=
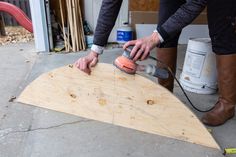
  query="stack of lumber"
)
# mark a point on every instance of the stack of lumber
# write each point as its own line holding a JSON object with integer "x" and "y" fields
{"x": 72, "y": 25}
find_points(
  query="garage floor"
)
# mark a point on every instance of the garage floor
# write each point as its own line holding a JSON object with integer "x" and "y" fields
{"x": 27, "y": 131}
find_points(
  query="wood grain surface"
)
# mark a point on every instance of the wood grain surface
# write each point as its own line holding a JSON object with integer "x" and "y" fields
{"x": 111, "y": 96}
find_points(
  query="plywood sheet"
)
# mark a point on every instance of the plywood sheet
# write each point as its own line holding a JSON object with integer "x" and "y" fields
{"x": 111, "y": 96}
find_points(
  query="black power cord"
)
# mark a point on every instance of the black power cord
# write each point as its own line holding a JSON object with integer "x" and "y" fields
{"x": 173, "y": 75}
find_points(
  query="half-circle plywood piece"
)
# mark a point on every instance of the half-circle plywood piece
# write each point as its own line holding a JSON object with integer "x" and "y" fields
{"x": 111, "y": 96}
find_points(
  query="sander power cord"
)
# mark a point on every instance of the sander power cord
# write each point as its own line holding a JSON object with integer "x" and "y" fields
{"x": 181, "y": 87}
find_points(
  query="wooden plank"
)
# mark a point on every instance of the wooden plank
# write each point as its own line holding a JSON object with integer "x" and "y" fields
{"x": 63, "y": 25}
{"x": 77, "y": 22}
{"x": 109, "y": 95}
{"x": 144, "y": 5}
{"x": 143, "y": 17}
{"x": 68, "y": 35}
{"x": 82, "y": 37}
{"x": 151, "y": 17}
{"x": 75, "y": 27}
{"x": 71, "y": 27}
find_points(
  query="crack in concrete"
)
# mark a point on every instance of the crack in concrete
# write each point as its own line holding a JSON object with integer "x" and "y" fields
{"x": 29, "y": 129}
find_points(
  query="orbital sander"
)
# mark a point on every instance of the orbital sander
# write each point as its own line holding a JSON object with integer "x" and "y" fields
{"x": 126, "y": 64}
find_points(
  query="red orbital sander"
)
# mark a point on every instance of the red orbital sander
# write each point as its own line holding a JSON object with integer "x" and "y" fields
{"x": 126, "y": 64}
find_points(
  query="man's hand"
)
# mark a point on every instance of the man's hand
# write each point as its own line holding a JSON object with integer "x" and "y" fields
{"x": 85, "y": 63}
{"x": 143, "y": 46}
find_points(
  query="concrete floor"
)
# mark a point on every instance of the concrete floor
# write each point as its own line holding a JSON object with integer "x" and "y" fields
{"x": 27, "y": 131}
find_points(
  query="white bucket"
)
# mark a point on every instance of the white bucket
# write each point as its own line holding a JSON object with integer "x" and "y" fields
{"x": 199, "y": 71}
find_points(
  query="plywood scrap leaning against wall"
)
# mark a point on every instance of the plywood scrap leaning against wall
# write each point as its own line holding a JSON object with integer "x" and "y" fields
{"x": 111, "y": 96}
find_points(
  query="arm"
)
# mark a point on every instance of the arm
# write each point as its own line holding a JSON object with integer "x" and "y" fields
{"x": 182, "y": 17}
{"x": 106, "y": 21}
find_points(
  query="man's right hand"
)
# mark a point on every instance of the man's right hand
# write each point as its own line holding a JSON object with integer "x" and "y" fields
{"x": 85, "y": 63}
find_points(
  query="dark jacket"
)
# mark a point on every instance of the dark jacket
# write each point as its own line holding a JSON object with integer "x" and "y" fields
{"x": 110, "y": 10}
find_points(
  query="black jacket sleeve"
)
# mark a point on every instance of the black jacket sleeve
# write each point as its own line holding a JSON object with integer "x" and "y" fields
{"x": 181, "y": 18}
{"x": 106, "y": 21}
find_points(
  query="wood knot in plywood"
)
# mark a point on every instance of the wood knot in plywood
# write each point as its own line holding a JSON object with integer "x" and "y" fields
{"x": 50, "y": 75}
{"x": 150, "y": 102}
{"x": 72, "y": 95}
{"x": 183, "y": 132}
{"x": 129, "y": 98}
{"x": 102, "y": 101}
{"x": 70, "y": 65}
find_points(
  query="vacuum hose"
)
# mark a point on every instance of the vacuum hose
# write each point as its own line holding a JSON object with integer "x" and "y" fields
{"x": 18, "y": 14}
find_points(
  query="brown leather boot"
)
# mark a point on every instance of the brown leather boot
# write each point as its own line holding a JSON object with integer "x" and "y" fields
{"x": 225, "y": 107}
{"x": 169, "y": 57}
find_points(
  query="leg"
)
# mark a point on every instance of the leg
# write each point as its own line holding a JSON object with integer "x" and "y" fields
{"x": 169, "y": 57}
{"x": 167, "y": 52}
{"x": 222, "y": 22}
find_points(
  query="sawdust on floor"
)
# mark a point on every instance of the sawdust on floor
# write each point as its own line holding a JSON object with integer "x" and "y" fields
{"x": 16, "y": 34}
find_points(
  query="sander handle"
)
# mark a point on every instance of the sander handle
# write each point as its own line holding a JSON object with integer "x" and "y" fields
{"x": 154, "y": 71}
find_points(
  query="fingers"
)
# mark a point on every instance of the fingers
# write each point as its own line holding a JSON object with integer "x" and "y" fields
{"x": 146, "y": 53}
{"x": 138, "y": 49}
{"x": 82, "y": 64}
{"x": 142, "y": 47}
{"x": 77, "y": 64}
{"x": 93, "y": 63}
{"x": 139, "y": 53}
{"x": 129, "y": 43}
